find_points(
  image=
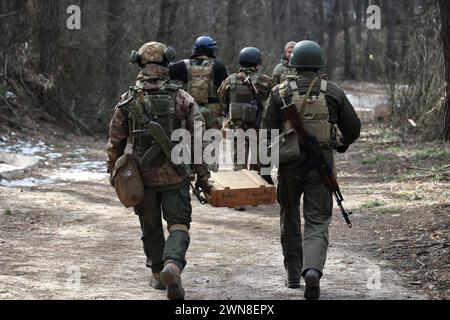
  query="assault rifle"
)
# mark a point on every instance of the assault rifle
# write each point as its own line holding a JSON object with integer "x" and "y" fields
{"x": 163, "y": 144}
{"x": 313, "y": 151}
{"x": 248, "y": 82}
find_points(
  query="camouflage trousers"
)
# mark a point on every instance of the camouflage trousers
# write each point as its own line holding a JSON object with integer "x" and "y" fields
{"x": 240, "y": 166}
{"x": 309, "y": 252}
{"x": 174, "y": 203}
{"x": 212, "y": 114}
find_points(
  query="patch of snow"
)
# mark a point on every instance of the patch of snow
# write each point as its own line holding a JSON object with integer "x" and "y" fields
{"x": 77, "y": 176}
{"x": 366, "y": 101}
{"x": 27, "y": 182}
{"x": 54, "y": 155}
{"x": 83, "y": 171}
{"x": 7, "y": 167}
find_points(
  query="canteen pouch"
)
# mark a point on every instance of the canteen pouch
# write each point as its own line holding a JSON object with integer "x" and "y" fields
{"x": 128, "y": 181}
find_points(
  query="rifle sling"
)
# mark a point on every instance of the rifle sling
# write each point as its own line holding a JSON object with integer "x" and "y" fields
{"x": 151, "y": 155}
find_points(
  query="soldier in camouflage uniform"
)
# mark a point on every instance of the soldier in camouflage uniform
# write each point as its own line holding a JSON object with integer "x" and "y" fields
{"x": 165, "y": 188}
{"x": 241, "y": 108}
{"x": 326, "y": 112}
{"x": 283, "y": 70}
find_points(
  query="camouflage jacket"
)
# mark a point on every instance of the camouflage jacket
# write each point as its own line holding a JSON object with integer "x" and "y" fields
{"x": 152, "y": 78}
{"x": 264, "y": 85}
{"x": 281, "y": 71}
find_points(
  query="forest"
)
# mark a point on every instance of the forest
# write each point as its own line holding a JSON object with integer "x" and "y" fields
{"x": 66, "y": 73}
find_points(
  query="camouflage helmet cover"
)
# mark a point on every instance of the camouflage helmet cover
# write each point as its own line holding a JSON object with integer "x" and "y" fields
{"x": 152, "y": 52}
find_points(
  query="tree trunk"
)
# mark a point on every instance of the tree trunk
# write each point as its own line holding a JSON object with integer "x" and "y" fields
{"x": 320, "y": 24}
{"x": 114, "y": 42}
{"x": 233, "y": 13}
{"x": 407, "y": 22}
{"x": 48, "y": 51}
{"x": 301, "y": 19}
{"x": 48, "y": 36}
{"x": 357, "y": 4}
{"x": 332, "y": 33}
{"x": 167, "y": 20}
{"x": 445, "y": 34}
{"x": 348, "y": 66}
{"x": 391, "y": 51}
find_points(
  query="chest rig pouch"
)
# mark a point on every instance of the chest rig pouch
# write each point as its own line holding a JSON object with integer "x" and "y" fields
{"x": 158, "y": 106}
{"x": 243, "y": 106}
{"x": 315, "y": 114}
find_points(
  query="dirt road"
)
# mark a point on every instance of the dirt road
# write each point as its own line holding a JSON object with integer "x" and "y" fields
{"x": 69, "y": 238}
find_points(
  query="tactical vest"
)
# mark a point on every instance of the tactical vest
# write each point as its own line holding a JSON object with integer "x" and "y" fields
{"x": 315, "y": 121}
{"x": 243, "y": 106}
{"x": 201, "y": 80}
{"x": 159, "y": 106}
{"x": 315, "y": 115}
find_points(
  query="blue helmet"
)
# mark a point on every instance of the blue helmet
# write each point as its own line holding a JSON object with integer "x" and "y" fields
{"x": 205, "y": 42}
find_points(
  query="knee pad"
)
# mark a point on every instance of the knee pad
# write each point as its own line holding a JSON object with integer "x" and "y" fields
{"x": 178, "y": 227}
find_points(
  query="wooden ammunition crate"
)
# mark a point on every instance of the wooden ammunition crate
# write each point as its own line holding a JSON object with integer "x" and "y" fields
{"x": 240, "y": 188}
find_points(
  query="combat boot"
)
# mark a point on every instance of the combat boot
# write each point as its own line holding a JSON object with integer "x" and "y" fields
{"x": 312, "y": 282}
{"x": 171, "y": 277}
{"x": 156, "y": 281}
{"x": 292, "y": 283}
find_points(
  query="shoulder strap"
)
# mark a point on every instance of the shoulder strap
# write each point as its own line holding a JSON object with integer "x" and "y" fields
{"x": 233, "y": 80}
{"x": 188, "y": 64}
{"x": 323, "y": 90}
{"x": 212, "y": 88}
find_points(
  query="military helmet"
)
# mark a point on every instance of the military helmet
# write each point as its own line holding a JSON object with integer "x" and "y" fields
{"x": 205, "y": 42}
{"x": 307, "y": 55}
{"x": 250, "y": 56}
{"x": 153, "y": 52}
{"x": 204, "y": 45}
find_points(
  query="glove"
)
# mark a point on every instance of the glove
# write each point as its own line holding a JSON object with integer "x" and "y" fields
{"x": 203, "y": 185}
{"x": 342, "y": 148}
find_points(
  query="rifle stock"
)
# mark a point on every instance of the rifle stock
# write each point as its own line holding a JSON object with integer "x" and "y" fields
{"x": 248, "y": 82}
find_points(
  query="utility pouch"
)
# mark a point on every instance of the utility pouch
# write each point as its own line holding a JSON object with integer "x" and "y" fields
{"x": 128, "y": 181}
{"x": 289, "y": 148}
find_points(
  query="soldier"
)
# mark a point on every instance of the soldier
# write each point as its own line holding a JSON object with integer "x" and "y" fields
{"x": 326, "y": 110}
{"x": 282, "y": 70}
{"x": 202, "y": 75}
{"x": 165, "y": 188}
{"x": 241, "y": 108}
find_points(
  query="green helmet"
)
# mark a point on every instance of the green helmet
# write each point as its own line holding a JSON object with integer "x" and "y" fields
{"x": 307, "y": 55}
